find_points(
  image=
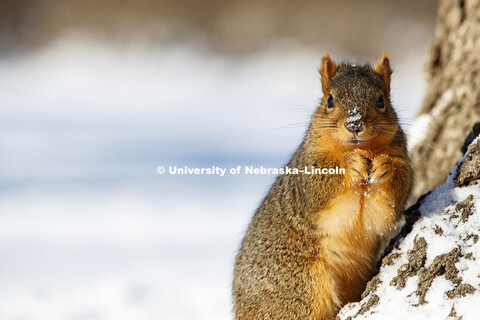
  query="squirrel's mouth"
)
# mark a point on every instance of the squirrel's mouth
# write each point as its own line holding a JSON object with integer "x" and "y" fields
{"x": 355, "y": 140}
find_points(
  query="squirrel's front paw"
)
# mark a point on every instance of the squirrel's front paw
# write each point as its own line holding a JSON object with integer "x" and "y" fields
{"x": 357, "y": 166}
{"x": 382, "y": 169}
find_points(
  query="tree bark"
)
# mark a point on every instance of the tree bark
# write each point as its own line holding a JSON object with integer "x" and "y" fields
{"x": 452, "y": 100}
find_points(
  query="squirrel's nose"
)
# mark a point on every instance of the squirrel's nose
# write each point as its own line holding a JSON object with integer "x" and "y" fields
{"x": 354, "y": 127}
{"x": 354, "y": 122}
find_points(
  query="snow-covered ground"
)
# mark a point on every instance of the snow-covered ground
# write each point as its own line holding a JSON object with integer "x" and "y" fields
{"x": 88, "y": 229}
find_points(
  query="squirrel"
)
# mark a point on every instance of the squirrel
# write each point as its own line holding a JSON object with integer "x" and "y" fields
{"x": 314, "y": 242}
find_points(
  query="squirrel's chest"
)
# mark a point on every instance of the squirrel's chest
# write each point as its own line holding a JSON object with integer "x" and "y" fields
{"x": 359, "y": 212}
{"x": 353, "y": 230}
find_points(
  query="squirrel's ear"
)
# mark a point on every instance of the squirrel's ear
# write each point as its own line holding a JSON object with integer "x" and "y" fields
{"x": 383, "y": 70}
{"x": 327, "y": 71}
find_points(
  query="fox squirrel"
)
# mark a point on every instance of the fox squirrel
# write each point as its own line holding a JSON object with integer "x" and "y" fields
{"x": 313, "y": 243}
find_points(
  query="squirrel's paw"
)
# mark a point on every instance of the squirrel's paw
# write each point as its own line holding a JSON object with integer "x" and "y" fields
{"x": 357, "y": 166}
{"x": 382, "y": 169}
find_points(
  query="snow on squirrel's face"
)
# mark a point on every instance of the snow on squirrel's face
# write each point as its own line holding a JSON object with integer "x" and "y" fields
{"x": 356, "y": 113}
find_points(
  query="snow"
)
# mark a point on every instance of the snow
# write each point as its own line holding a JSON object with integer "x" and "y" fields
{"x": 418, "y": 130}
{"x": 354, "y": 115}
{"x": 88, "y": 229}
{"x": 443, "y": 103}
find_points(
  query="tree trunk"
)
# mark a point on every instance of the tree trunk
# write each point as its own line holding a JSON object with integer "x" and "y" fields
{"x": 452, "y": 101}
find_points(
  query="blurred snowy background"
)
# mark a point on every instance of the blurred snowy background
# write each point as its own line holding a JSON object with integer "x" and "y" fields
{"x": 95, "y": 96}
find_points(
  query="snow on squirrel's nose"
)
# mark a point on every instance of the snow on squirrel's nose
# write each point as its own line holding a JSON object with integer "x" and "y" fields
{"x": 354, "y": 121}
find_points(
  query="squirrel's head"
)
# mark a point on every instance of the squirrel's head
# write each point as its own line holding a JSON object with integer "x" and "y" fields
{"x": 356, "y": 111}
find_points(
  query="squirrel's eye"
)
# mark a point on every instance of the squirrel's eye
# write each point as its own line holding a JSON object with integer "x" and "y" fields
{"x": 381, "y": 103}
{"x": 330, "y": 103}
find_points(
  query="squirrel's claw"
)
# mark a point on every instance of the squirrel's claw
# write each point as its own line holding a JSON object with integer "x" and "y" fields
{"x": 357, "y": 166}
{"x": 381, "y": 169}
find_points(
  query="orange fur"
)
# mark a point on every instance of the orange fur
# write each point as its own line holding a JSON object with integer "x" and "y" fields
{"x": 327, "y": 71}
{"x": 349, "y": 230}
{"x": 383, "y": 70}
{"x": 356, "y": 225}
